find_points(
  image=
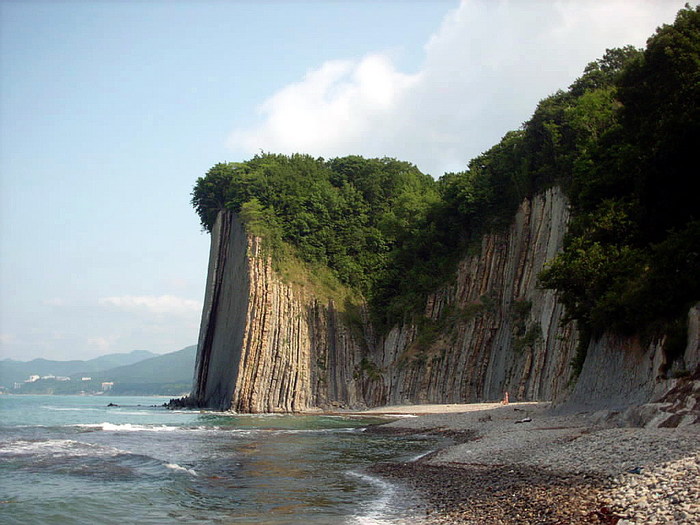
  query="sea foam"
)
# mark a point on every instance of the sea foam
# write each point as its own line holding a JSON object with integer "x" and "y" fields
{"x": 128, "y": 427}
{"x": 56, "y": 448}
{"x": 379, "y": 508}
{"x": 176, "y": 467}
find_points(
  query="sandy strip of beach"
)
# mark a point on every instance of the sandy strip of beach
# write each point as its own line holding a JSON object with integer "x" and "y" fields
{"x": 521, "y": 464}
{"x": 443, "y": 409}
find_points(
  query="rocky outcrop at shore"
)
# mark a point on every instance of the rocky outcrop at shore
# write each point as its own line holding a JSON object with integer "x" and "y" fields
{"x": 266, "y": 345}
{"x": 222, "y": 328}
{"x": 623, "y": 371}
{"x": 270, "y": 345}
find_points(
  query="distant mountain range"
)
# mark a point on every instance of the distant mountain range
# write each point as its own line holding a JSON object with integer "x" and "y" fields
{"x": 137, "y": 372}
{"x": 167, "y": 368}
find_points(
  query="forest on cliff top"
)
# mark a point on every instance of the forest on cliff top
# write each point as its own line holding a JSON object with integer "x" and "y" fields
{"x": 620, "y": 141}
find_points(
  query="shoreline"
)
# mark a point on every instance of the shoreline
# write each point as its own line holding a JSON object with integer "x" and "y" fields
{"x": 522, "y": 464}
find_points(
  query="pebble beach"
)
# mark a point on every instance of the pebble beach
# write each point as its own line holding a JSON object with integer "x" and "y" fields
{"x": 523, "y": 464}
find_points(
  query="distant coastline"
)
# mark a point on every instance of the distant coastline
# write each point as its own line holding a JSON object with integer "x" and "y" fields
{"x": 127, "y": 374}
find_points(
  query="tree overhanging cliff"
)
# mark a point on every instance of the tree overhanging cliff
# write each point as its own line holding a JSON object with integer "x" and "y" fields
{"x": 619, "y": 142}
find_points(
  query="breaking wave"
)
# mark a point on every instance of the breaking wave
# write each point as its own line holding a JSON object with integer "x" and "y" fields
{"x": 178, "y": 468}
{"x": 57, "y": 448}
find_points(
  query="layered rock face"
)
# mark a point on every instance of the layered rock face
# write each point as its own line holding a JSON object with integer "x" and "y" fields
{"x": 222, "y": 329}
{"x": 495, "y": 330}
{"x": 266, "y": 345}
{"x": 622, "y": 371}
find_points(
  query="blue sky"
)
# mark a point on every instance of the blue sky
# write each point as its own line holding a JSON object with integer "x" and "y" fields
{"x": 109, "y": 111}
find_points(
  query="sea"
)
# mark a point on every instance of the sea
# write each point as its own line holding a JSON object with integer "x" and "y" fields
{"x": 121, "y": 460}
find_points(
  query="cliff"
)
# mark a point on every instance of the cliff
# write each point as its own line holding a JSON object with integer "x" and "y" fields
{"x": 636, "y": 382}
{"x": 267, "y": 345}
{"x": 494, "y": 330}
{"x": 226, "y": 301}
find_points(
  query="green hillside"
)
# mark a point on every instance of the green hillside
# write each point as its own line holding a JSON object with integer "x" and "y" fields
{"x": 167, "y": 374}
{"x": 12, "y": 371}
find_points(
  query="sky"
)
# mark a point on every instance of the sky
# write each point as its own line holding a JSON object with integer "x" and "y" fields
{"x": 110, "y": 111}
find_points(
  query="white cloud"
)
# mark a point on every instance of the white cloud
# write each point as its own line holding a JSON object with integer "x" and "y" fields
{"x": 485, "y": 69}
{"x": 162, "y": 304}
{"x": 333, "y": 109}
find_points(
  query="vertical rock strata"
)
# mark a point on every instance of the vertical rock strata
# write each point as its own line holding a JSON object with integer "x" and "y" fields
{"x": 494, "y": 329}
{"x": 622, "y": 371}
{"x": 296, "y": 353}
{"x": 267, "y": 345}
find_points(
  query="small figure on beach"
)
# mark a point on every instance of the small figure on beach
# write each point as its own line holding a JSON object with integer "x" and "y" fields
{"x": 505, "y": 398}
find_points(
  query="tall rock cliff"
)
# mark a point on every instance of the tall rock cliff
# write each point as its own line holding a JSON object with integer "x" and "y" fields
{"x": 223, "y": 325}
{"x": 492, "y": 330}
{"x": 267, "y": 345}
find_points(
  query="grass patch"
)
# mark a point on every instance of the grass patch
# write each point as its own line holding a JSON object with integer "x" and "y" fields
{"x": 532, "y": 336}
{"x": 313, "y": 278}
{"x": 367, "y": 370}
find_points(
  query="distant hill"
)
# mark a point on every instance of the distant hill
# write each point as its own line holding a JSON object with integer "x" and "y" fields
{"x": 108, "y": 361}
{"x": 167, "y": 374}
{"x": 12, "y": 371}
{"x": 166, "y": 368}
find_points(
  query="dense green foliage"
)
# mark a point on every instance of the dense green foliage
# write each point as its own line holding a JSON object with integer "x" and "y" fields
{"x": 632, "y": 258}
{"x": 619, "y": 141}
{"x": 349, "y": 214}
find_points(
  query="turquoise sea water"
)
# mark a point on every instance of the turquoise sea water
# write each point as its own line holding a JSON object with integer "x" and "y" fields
{"x": 72, "y": 459}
